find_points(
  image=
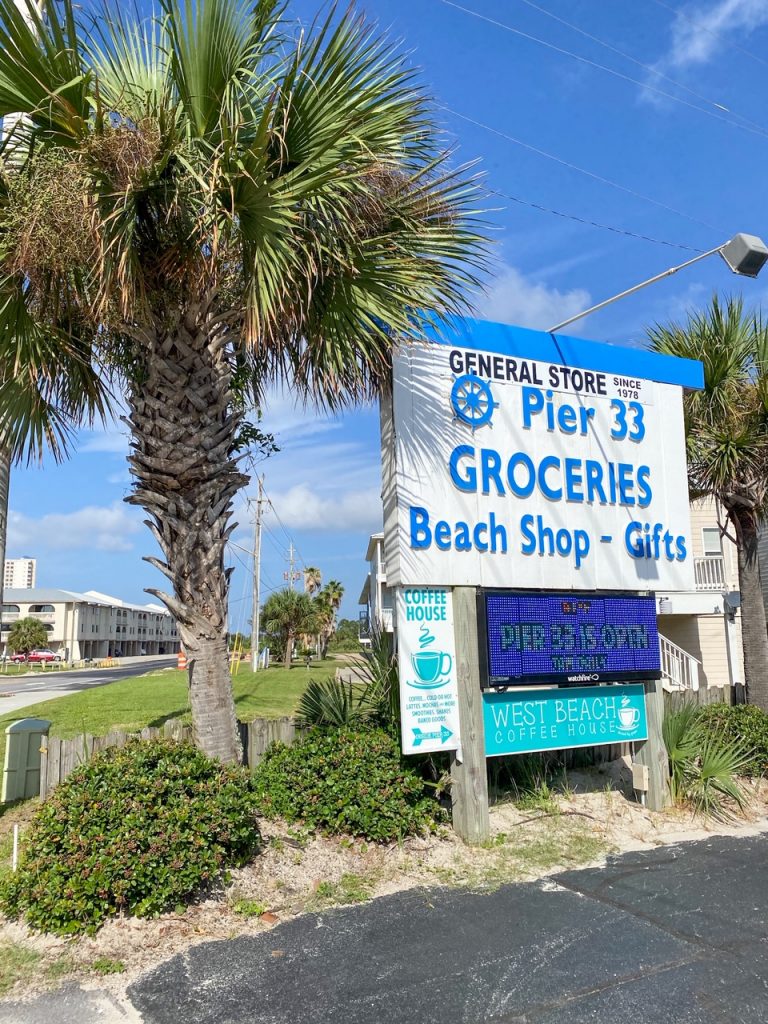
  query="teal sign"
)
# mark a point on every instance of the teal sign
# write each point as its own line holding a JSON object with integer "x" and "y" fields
{"x": 524, "y": 721}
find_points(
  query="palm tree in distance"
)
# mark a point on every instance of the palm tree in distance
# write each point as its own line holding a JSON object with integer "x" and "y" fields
{"x": 206, "y": 203}
{"x": 312, "y": 579}
{"x": 726, "y": 428}
{"x": 328, "y": 602}
{"x": 334, "y": 592}
{"x": 288, "y": 614}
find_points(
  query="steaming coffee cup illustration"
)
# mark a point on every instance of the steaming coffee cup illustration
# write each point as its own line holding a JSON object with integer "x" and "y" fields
{"x": 628, "y": 717}
{"x": 430, "y": 665}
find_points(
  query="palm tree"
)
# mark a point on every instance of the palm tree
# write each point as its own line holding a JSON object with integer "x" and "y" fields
{"x": 326, "y": 620}
{"x": 26, "y": 635}
{"x": 287, "y": 614}
{"x": 209, "y": 202}
{"x": 328, "y": 602}
{"x": 334, "y": 592}
{"x": 312, "y": 579}
{"x": 727, "y": 444}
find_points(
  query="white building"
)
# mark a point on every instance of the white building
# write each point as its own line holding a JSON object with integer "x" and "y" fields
{"x": 20, "y": 573}
{"x": 91, "y": 625}
{"x": 376, "y": 597}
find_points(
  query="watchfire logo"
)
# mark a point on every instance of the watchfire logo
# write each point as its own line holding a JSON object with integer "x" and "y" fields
{"x": 584, "y": 678}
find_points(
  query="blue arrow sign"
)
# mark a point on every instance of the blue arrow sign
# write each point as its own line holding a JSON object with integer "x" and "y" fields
{"x": 420, "y": 737}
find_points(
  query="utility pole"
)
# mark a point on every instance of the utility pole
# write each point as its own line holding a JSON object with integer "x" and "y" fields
{"x": 256, "y": 616}
{"x": 291, "y": 576}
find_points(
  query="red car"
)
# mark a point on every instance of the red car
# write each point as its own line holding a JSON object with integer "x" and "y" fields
{"x": 37, "y": 657}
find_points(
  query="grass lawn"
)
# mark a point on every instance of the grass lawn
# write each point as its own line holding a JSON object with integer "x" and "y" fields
{"x": 130, "y": 704}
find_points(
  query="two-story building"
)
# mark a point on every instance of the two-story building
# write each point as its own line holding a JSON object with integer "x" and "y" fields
{"x": 376, "y": 597}
{"x": 90, "y": 625}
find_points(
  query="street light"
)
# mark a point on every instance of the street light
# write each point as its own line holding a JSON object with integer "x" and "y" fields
{"x": 745, "y": 255}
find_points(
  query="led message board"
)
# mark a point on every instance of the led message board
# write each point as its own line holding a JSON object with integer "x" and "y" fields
{"x": 567, "y": 638}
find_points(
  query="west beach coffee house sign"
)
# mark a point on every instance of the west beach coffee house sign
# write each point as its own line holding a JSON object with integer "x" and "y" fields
{"x": 548, "y": 473}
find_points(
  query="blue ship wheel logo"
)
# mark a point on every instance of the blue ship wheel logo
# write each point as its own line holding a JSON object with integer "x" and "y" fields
{"x": 472, "y": 400}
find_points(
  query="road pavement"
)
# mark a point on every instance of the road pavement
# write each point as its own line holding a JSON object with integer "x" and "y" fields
{"x": 672, "y": 936}
{"x": 18, "y": 692}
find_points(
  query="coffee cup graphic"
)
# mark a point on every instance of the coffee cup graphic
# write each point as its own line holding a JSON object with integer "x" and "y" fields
{"x": 430, "y": 665}
{"x": 628, "y": 717}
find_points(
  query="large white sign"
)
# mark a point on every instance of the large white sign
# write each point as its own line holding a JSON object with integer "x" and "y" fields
{"x": 429, "y": 704}
{"x": 512, "y": 472}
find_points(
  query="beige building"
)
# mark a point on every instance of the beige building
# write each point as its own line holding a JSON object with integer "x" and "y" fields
{"x": 20, "y": 572}
{"x": 91, "y": 625}
{"x": 701, "y": 629}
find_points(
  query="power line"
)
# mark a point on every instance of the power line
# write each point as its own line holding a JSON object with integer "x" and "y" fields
{"x": 591, "y": 223}
{"x": 703, "y": 28}
{"x": 603, "y": 67}
{"x": 581, "y": 170}
{"x": 646, "y": 67}
{"x": 300, "y": 559}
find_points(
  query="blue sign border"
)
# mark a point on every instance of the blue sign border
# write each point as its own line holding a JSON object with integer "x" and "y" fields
{"x": 539, "y": 720}
{"x": 523, "y": 343}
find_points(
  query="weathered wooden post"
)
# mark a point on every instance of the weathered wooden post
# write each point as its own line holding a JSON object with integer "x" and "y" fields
{"x": 652, "y": 753}
{"x": 469, "y": 778}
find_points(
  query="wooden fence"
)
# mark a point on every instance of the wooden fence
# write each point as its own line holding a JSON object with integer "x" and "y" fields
{"x": 703, "y": 696}
{"x": 59, "y": 758}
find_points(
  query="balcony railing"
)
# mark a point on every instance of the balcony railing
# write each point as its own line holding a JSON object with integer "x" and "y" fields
{"x": 680, "y": 670}
{"x": 710, "y": 572}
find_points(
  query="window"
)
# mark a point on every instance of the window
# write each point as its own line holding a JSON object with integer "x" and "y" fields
{"x": 711, "y": 540}
{"x": 36, "y": 608}
{"x": 10, "y": 609}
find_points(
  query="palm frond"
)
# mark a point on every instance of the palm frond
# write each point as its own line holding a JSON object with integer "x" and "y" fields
{"x": 214, "y": 48}
{"x": 41, "y": 70}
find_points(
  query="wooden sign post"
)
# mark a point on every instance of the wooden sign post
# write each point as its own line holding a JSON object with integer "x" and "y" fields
{"x": 469, "y": 777}
{"x": 652, "y": 753}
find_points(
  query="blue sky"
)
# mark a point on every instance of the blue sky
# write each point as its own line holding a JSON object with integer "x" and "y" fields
{"x": 703, "y": 168}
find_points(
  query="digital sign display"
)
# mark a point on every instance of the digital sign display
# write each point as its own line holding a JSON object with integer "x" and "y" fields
{"x": 567, "y": 638}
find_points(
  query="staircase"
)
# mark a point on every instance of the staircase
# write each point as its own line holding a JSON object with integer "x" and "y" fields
{"x": 679, "y": 669}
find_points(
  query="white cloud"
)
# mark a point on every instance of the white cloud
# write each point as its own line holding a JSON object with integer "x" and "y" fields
{"x": 90, "y": 528}
{"x": 514, "y": 298}
{"x": 301, "y": 508}
{"x": 698, "y": 33}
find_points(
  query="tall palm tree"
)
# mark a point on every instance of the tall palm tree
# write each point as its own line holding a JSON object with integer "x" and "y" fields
{"x": 727, "y": 444}
{"x": 328, "y": 602}
{"x": 312, "y": 579}
{"x": 288, "y": 614}
{"x": 326, "y": 620}
{"x": 211, "y": 201}
{"x": 334, "y": 592}
{"x": 6, "y": 454}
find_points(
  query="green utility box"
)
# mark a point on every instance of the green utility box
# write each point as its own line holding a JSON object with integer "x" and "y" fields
{"x": 21, "y": 772}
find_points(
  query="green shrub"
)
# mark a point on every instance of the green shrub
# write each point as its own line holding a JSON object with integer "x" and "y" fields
{"x": 345, "y": 782}
{"x": 744, "y": 723}
{"x": 705, "y": 765}
{"x": 136, "y": 830}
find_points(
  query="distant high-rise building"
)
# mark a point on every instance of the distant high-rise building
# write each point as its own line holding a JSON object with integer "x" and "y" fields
{"x": 20, "y": 573}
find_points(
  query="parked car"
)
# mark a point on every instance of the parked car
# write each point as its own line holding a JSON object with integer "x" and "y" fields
{"x": 44, "y": 654}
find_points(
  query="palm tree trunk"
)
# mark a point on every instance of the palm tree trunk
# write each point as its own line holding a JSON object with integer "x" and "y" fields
{"x": 183, "y": 429}
{"x": 288, "y": 650}
{"x": 753, "y": 624}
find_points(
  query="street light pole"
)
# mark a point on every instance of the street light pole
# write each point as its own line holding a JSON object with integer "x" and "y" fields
{"x": 744, "y": 254}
